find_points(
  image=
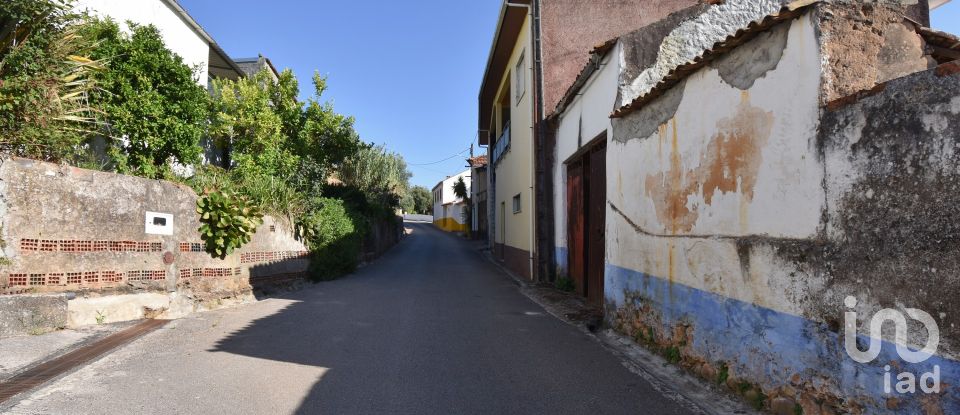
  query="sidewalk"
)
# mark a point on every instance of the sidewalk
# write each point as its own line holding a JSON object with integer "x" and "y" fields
{"x": 667, "y": 378}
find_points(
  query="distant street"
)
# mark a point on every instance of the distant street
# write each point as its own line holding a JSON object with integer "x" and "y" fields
{"x": 429, "y": 328}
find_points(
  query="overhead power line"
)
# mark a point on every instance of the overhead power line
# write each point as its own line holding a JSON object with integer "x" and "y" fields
{"x": 440, "y": 161}
{"x": 446, "y": 159}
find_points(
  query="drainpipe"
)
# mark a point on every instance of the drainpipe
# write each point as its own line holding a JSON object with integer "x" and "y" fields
{"x": 490, "y": 195}
{"x": 534, "y": 136}
{"x": 539, "y": 147}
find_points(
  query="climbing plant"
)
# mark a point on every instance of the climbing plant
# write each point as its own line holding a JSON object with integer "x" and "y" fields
{"x": 155, "y": 110}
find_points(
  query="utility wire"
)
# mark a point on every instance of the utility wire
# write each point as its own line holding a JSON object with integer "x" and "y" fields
{"x": 448, "y": 158}
{"x": 440, "y": 161}
{"x": 429, "y": 169}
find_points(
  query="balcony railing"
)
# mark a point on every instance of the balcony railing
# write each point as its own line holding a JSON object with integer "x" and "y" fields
{"x": 502, "y": 145}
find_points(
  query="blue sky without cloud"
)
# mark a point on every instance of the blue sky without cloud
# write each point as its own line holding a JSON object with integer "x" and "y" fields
{"x": 409, "y": 71}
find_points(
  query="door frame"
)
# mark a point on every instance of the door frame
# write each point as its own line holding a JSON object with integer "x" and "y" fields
{"x": 583, "y": 282}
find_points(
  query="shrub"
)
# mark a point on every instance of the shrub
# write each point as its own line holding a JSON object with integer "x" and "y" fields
{"x": 156, "y": 112}
{"x": 273, "y": 195}
{"x": 565, "y": 284}
{"x": 333, "y": 236}
{"x": 45, "y": 80}
{"x": 243, "y": 118}
{"x": 228, "y": 221}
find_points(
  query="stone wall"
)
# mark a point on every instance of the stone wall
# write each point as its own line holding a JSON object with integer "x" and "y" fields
{"x": 768, "y": 192}
{"x": 82, "y": 232}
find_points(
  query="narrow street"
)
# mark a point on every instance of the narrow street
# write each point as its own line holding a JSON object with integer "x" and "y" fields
{"x": 431, "y": 327}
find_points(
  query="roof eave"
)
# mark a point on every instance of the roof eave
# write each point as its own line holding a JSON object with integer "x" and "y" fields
{"x": 597, "y": 55}
{"x": 788, "y": 12}
{"x": 491, "y": 57}
{"x": 214, "y": 47}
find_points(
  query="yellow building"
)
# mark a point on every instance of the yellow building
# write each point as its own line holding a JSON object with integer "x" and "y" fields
{"x": 539, "y": 48}
{"x": 451, "y": 213}
{"x": 506, "y": 122}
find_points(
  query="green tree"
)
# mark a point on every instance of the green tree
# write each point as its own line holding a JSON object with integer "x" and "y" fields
{"x": 333, "y": 235}
{"x": 380, "y": 174}
{"x": 407, "y": 204}
{"x": 45, "y": 79}
{"x": 327, "y": 139}
{"x": 245, "y": 121}
{"x": 422, "y": 200}
{"x": 461, "y": 191}
{"x": 155, "y": 110}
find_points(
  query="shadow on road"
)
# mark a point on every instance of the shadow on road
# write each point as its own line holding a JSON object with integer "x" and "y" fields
{"x": 433, "y": 328}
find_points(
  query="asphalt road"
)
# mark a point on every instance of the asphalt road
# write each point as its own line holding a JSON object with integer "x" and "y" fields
{"x": 429, "y": 328}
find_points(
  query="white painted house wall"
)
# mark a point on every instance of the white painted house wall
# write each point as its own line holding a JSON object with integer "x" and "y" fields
{"x": 177, "y": 34}
{"x": 448, "y": 205}
{"x": 787, "y": 199}
{"x": 585, "y": 118}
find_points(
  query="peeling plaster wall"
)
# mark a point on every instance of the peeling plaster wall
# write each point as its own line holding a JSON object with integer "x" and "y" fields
{"x": 81, "y": 231}
{"x": 693, "y": 36}
{"x": 586, "y": 118}
{"x": 570, "y": 30}
{"x": 742, "y": 211}
{"x": 893, "y": 217}
{"x": 867, "y": 43}
{"x": 864, "y": 42}
{"x": 709, "y": 159}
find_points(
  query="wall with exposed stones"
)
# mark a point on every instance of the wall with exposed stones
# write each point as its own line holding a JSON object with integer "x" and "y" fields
{"x": 83, "y": 232}
{"x": 751, "y": 198}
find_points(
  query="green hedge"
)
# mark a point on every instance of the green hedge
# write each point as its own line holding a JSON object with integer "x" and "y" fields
{"x": 334, "y": 237}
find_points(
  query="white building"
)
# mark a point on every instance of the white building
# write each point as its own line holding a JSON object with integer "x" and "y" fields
{"x": 180, "y": 32}
{"x": 451, "y": 213}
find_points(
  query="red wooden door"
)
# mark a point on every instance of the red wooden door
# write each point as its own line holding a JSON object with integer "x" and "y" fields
{"x": 576, "y": 249}
{"x": 596, "y": 223}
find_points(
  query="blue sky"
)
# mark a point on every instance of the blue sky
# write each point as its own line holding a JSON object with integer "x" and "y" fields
{"x": 947, "y": 17}
{"x": 409, "y": 71}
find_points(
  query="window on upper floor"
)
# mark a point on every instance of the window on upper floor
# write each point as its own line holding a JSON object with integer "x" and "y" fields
{"x": 520, "y": 78}
{"x": 516, "y": 203}
{"x": 503, "y": 104}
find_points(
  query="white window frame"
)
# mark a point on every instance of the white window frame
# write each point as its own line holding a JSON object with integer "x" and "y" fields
{"x": 517, "y": 204}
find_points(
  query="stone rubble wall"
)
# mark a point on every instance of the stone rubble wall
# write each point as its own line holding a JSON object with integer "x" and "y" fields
{"x": 80, "y": 235}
